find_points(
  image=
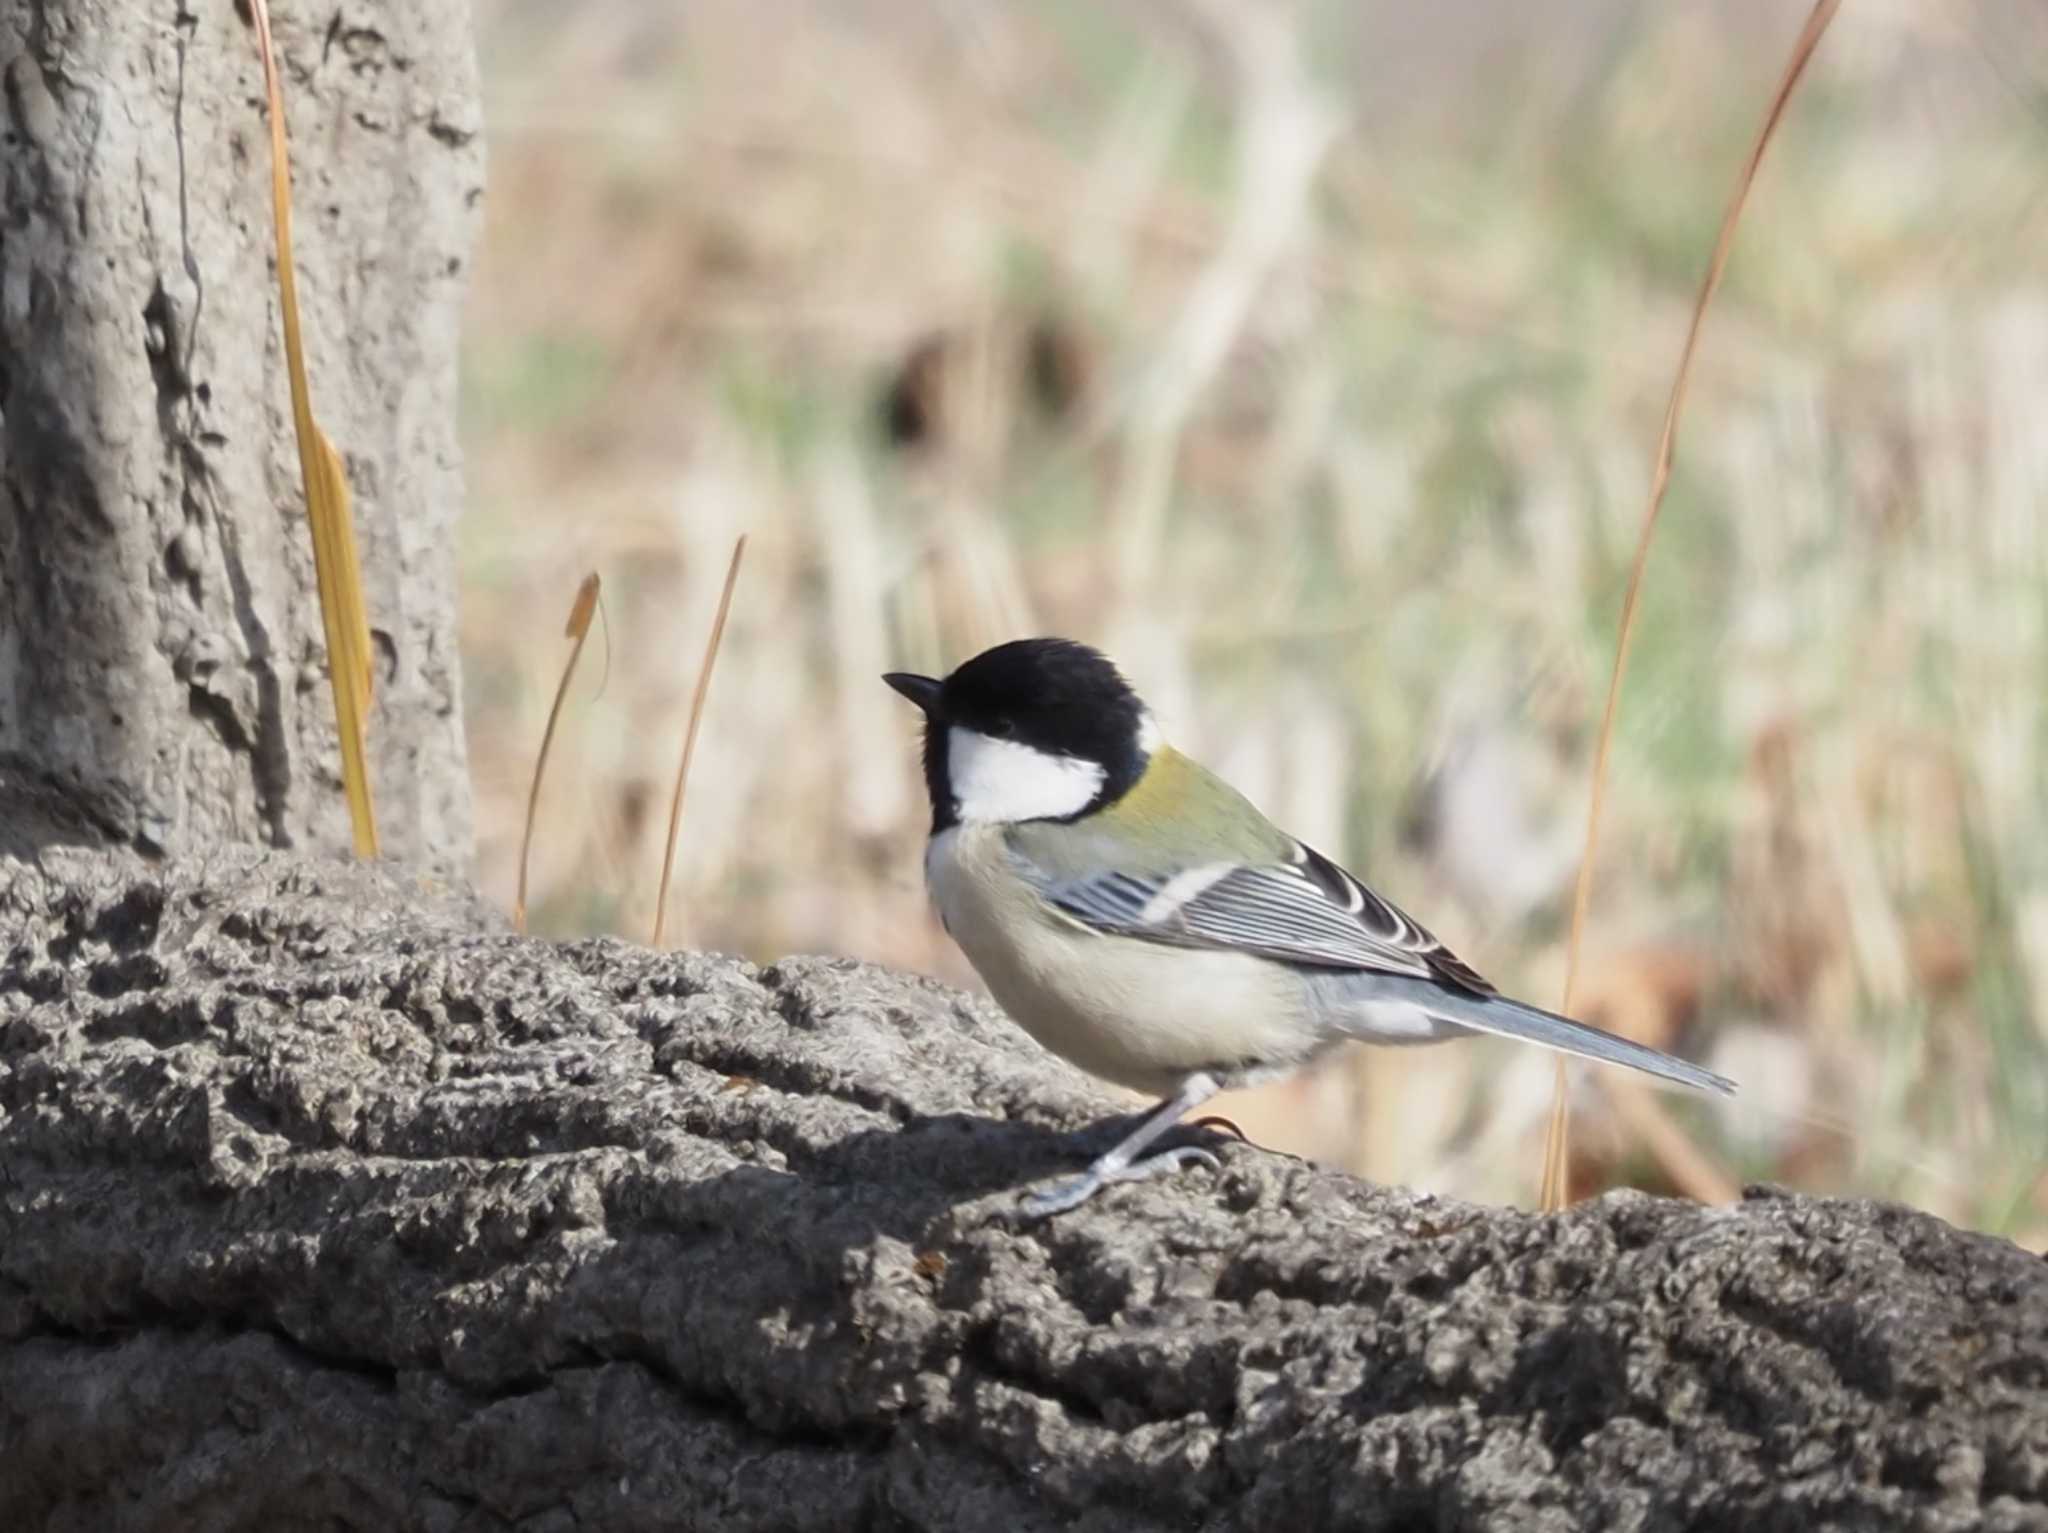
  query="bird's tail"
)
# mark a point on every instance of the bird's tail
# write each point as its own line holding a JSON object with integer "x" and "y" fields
{"x": 1504, "y": 1018}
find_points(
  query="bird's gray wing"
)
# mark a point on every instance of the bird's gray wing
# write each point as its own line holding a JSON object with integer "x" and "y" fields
{"x": 1304, "y": 910}
{"x": 1299, "y": 907}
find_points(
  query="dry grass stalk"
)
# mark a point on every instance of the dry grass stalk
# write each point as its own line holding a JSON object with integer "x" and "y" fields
{"x": 327, "y": 504}
{"x": 576, "y": 629}
{"x": 675, "y": 808}
{"x": 1556, "y": 1147}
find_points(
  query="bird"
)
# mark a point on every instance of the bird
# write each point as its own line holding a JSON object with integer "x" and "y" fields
{"x": 1139, "y": 917}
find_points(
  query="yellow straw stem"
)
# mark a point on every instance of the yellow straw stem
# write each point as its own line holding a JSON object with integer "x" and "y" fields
{"x": 335, "y": 567}
{"x": 578, "y": 629}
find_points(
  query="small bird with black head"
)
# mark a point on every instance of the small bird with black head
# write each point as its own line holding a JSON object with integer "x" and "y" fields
{"x": 1140, "y": 918}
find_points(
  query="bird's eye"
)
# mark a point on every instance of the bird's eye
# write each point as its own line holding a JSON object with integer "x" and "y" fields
{"x": 1001, "y": 729}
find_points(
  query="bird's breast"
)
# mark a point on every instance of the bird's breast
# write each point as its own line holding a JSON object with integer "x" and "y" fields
{"x": 1142, "y": 1014}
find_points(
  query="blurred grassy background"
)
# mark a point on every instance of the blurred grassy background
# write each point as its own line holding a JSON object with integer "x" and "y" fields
{"x": 1309, "y": 357}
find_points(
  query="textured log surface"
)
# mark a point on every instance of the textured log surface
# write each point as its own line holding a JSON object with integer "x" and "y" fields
{"x": 326, "y": 1203}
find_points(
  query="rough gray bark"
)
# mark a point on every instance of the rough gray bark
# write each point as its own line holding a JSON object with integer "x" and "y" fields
{"x": 162, "y": 671}
{"x": 324, "y": 1204}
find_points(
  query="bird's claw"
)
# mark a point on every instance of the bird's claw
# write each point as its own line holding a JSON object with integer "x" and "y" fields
{"x": 1076, "y": 1190}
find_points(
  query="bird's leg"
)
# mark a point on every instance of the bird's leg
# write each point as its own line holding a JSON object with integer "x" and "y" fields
{"x": 1121, "y": 1164}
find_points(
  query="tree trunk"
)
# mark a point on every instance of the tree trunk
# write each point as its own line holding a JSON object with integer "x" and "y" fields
{"x": 322, "y": 1205}
{"x": 162, "y": 665}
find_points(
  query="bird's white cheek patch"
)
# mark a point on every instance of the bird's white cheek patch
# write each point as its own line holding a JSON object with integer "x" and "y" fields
{"x": 999, "y": 782}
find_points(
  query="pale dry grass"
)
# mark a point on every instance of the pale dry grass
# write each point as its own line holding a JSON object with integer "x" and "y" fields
{"x": 1369, "y": 369}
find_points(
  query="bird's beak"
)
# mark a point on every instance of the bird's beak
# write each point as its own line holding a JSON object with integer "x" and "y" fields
{"x": 921, "y": 690}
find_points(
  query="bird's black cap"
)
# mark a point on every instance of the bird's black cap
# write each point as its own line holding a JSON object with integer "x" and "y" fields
{"x": 1054, "y": 695}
